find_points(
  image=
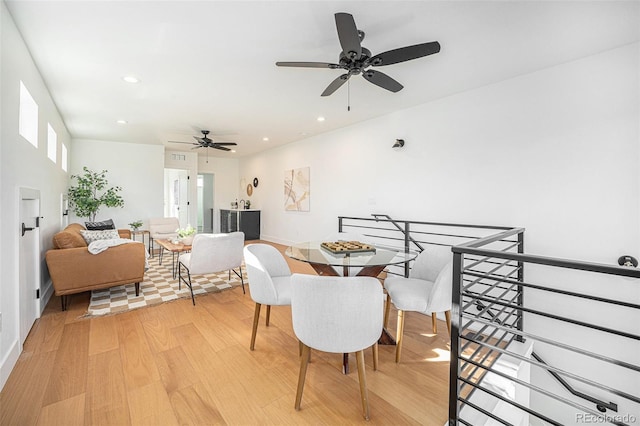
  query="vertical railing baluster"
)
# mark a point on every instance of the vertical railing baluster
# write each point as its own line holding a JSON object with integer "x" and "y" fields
{"x": 520, "y": 323}
{"x": 454, "y": 365}
{"x": 407, "y": 238}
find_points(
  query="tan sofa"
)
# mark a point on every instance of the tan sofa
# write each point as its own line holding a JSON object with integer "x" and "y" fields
{"x": 74, "y": 270}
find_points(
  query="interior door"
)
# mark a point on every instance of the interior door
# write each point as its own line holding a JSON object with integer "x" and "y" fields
{"x": 29, "y": 273}
{"x": 177, "y": 195}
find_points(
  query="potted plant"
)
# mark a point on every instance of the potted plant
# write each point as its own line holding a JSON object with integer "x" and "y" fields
{"x": 185, "y": 235}
{"x": 91, "y": 193}
{"x": 135, "y": 225}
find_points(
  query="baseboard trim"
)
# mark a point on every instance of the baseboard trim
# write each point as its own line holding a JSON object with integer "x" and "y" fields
{"x": 8, "y": 363}
{"x": 276, "y": 240}
{"x": 45, "y": 295}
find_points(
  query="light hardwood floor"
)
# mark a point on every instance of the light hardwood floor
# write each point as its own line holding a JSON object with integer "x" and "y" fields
{"x": 182, "y": 364}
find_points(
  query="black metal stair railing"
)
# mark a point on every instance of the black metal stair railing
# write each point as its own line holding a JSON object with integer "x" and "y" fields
{"x": 488, "y": 324}
{"x": 485, "y": 300}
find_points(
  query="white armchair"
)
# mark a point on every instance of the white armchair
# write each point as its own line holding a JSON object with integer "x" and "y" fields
{"x": 337, "y": 315}
{"x": 269, "y": 281}
{"x": 162, "y": 228}
{"x": 212, "y": 253}
{"x": 427, "y": 290}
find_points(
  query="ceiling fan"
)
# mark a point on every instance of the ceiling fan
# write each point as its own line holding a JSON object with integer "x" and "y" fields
{"x": 206, "y": 142}
{"x": 356, "y": 59}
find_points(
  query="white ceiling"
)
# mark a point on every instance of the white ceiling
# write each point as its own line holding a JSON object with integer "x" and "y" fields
{"x": 211, "y": 64}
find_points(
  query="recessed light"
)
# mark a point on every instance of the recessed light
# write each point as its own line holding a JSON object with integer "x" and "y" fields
{"x": 265, "y": 139}
{"x": 320, "y": 118}
{"x": 233, "y": 150}
{"x": 131, "y": 79}
{"x": 122, "y": 121}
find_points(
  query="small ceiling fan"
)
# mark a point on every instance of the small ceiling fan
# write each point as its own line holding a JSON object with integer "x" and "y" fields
{"x": 355, "y": 59}
{"x": 206, "y": 142}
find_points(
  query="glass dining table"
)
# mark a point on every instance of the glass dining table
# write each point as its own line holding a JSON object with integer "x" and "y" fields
{"x": 363, "y": 263}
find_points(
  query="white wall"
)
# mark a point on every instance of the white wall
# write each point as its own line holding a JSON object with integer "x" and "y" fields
{"x": 554, "y": 151}
{"x": 137, "y": 168}
{"x": 22, "y": 165}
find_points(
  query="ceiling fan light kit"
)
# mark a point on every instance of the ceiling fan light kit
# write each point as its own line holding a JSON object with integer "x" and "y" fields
{"x": 356, "y": 59}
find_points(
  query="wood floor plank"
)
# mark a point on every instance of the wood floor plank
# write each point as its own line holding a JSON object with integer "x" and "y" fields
{"x": 178, "y": 363}
{"x": 138, "y": 363}
{"x": 46, "y": 333}
{"x": 104, "y": 335}
{"x": 150, "y": 405}
{"x": 194, "y": 405}
{"x": 68, "y": 378}
{"x": 175, "y": 370}
{"x": 22, "y": 395}
{"x": 68, "y": 412}
{"x": 106, "y": 402}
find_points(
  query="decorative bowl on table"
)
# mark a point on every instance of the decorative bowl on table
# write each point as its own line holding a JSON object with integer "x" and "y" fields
{"x": 187, "y": 241}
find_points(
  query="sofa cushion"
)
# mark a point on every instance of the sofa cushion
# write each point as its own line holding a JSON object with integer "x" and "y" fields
{"x": 105, "y": 234}
{"x": 99, "y": 226}
{"x": 69, "y": 238}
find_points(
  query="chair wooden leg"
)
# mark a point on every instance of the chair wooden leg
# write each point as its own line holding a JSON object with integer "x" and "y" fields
{"x": 434, "y": 324}
{"x": 268, "y": 315}
{"x": 399, "y": 334}
{"x": 387, "y": 307}
{"x": 363, "y": 384}
{"x": 304, "y": 362}
{"x": 254, "y": 331}
{"x": 447, "y": 315}
{"x": 375, "y": 356}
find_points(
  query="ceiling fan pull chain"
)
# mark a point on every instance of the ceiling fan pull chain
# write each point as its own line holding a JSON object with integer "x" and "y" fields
{"x": 348, "y": 95}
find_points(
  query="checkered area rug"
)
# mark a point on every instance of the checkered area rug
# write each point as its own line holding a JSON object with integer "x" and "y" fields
{"x": 158, "y": 286}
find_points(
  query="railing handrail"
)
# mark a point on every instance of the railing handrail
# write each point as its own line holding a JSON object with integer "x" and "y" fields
{"x": 418, "y": 222}
{"x": 551, "y": 261}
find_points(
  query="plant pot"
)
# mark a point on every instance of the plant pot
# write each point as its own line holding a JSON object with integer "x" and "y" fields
{"x": 187, "y": 241}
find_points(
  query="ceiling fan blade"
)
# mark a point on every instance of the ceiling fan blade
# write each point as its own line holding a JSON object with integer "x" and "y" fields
{"x": 196, "y": 147}
{"x": 382, "y": 80}
{"x": 225, "y": 143}
{"x": 348, "y": 35}
{"x": 405, "y": 54}
{"x": 200, "y": 140}
{"x": 220, "y": 148}
{"x": 188, "y": 143}
{"x": 308, "y": 65}
{"x": 335, "y": 85}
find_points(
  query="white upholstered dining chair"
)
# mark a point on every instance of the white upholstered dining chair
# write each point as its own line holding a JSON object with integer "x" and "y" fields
{"x": 426, "y": 291}
{"x": 212, "y": 253}
{"x": 269, "y": 281}
{"x": 336, "y": 315}
{"x": 162, "y": 228}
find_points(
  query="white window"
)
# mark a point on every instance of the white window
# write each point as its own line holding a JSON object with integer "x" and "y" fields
{"x": 64, "y": 157}
{"x": 28, "y": 126}
{"x": 52, "y": 143}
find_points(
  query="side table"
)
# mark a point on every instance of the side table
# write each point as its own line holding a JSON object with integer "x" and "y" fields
{"x": 142, "y": 232}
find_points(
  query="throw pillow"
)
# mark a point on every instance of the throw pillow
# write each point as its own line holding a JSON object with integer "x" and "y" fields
{"x": 106, "y": 234}
{"x": 99, "y": 226}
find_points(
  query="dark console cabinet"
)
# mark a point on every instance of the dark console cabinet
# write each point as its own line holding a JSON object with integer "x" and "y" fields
{"x": 247, "y": 221}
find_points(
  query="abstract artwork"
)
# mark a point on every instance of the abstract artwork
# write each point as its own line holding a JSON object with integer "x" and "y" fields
{"x": 296, "y": 189}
